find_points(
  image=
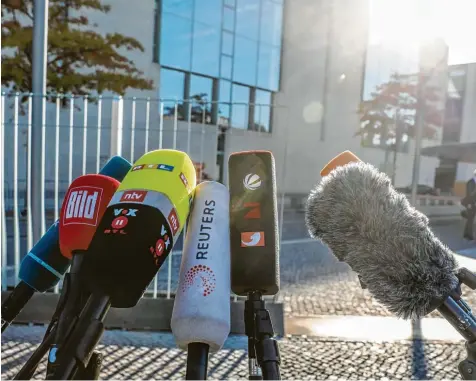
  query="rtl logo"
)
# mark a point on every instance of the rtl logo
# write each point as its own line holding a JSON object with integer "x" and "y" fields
{"x": 82, "y": 206}
{"x": 134, "y": 196}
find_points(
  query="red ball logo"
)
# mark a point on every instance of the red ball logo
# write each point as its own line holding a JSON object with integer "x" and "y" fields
{"x": 119, "y": 222}
{"x": 159, "y": 247}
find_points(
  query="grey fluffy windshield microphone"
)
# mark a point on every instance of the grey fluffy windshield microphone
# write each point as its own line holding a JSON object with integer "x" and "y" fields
{"x": 367, "y": 224}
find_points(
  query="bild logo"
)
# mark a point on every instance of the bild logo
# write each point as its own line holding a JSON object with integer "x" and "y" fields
{"x": 82, "y": 206}
{"x": 252, "y": 181}
{"x": 134, "y": 196}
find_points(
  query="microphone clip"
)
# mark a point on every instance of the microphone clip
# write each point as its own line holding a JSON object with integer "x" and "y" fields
{"x": 263, "y": 350}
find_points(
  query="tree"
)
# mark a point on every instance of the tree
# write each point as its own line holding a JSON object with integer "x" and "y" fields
{"x": 389, "y": 114}
{"x": 199, "y": 105}
{"x": 80, "y": 60}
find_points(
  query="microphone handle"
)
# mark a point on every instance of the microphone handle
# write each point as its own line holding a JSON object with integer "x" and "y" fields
{"x": 75, "y": 297}
{"x": 29, "y": 368}
{"x": 15, "y": 302}
{"x": 463, "y": 321}
{"x": 197, "y": 361}
{"x": 78, "y": 350}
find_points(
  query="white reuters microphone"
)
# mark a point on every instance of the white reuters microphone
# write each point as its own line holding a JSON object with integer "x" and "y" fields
{"x": 201, "y": 313}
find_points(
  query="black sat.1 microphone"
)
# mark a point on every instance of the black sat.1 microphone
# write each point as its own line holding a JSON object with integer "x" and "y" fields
{"x": 201, "y": 315}
{"x": 255, "y": 252}
{"x": 388, "y": 243}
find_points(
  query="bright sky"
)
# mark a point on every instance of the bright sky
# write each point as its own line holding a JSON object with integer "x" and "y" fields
{"x": 397, "y": 27}
{"x": 398, "y": 22}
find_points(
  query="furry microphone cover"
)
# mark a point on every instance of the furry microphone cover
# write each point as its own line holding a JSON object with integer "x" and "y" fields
{"x": 367, "y": 224}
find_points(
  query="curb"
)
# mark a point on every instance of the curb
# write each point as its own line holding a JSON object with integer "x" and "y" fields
{"x": 149, "y": 314}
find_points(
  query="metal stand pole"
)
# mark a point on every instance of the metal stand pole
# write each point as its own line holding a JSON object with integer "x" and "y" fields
{"x": 40, "y": 45}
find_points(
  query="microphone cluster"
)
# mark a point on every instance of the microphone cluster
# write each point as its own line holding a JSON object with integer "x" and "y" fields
{"x": 114, "y": 232}
{"x": 117, "y": 228}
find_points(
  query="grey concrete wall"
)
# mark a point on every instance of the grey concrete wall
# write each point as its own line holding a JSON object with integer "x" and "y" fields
{"x": 148, "y": 314}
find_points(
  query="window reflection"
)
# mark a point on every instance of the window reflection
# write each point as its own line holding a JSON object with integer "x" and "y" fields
{"x": 182, "y": 8}
{"x": 262, "y": 111}
{"x": 175, "y": 41}
{"x": 206, "y": 49}
{"x": 208, "y": 12}
{"x": 227, "y": 43}
{"x": 268, "y": 67}
{"x": 224, "y": 106}
{"x": 271, "y": 22}
{"x": 247, "y": 18}
{"x": 226, "y": 67}
{"x": 171, "y": 91}
{"x": 240, "y": 106}
{"x": 246, "y": 54}
{"x": 230, "y": 3}
{"x": 201, "y": 96}
{"x": 229, "y": 19}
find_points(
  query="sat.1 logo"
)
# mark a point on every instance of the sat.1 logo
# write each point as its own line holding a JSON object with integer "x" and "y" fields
{"x": 252, "y": 181}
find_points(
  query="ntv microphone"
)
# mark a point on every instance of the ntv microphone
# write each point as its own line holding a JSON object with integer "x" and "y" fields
{"x": 201, "y": 314}
{"x": 83, "y": 208}
{"x": 255, "y": 253}
{"x": 388, "y": 243}
{"x": 137, "y": 232}
{"x": 44, "y": 266}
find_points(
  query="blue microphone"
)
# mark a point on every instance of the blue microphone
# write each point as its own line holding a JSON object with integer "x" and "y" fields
{"x": 44, "y": 266}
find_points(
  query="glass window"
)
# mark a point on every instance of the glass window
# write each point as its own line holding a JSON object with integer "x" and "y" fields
{"x": 182, "y": 8}
{"x": 271, "y": 23}
{"x": 172, "y": 84}
{"x": 208, "y": 12}
{"x": 224, "y": 106}
{"x": 247, "y": 18}
{"x": 201, "y": 95}
{"x": 246, "y": 52}
{"x": 262, "y": 111}
{"x": 226, "y": 67}
{"x": 240, "y": 106}
{"x": 230, "y": 3}
{"x": 268, "y": 67}
{"x": 206, "y": 49}
{"x": 229, "y": 19}
{"x": 227, "y": 43}
{"x": 175, "y": 41}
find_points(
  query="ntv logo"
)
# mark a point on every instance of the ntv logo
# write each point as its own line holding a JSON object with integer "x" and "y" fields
{"x": 83, "y": 206}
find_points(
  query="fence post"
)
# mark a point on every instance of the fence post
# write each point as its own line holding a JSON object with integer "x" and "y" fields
{"x": 116, "y": 126}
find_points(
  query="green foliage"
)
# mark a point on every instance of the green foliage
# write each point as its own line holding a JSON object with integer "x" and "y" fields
{"x": 391, "y": 110}
{"x": 80, "y": 60}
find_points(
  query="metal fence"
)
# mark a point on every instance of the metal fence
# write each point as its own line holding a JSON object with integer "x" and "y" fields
{"x": 81, "y": 133}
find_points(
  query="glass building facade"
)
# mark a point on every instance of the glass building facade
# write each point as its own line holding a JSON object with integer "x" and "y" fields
{"x": 225, "y": 51}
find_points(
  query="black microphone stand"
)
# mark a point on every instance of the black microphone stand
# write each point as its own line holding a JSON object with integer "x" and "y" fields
{"x": 263, "y": 350}
{"x": 459, "y": 315}
{"x": 78, "y": 351}
{"x": 62, "y": 324}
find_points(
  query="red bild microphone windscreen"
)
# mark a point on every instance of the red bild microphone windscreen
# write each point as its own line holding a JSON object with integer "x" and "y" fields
{"x": 83, "y": 207}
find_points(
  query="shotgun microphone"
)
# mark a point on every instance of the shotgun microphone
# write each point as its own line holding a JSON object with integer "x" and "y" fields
{"x": 84, "y": 205}
{"x": 43, "y": 267}
{"x": 133, "y": 239}
{"x": 201, "y": 313}
{"x": 369, "y": 225}
{"x": 255, "y": 252}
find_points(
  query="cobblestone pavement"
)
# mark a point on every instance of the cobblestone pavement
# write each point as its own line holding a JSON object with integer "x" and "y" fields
{"x": 313, "y": 282}
{"x": 143, "y": 355}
